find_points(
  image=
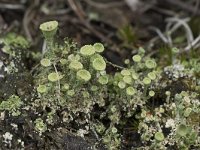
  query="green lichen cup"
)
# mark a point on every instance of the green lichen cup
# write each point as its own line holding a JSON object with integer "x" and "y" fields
{"x": 49, "y": 29}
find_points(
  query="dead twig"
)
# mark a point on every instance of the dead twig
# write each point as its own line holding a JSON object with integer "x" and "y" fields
{"x": 140, "y": 6}
{"x": 163, "y": 11}
{"x": 183, "y": 22}
{"x": 194, "y": 43}
{"x": 160, "y": 34}
{"x": 182, "y": 5}
{"x": 12, "y": 6}
{"x": 81, "y": 15}
{"x": 172, "y": 25}
{"x": 197, "y": 5}
{"x": 104, "y": 5}
{"x": 28, "y": 16}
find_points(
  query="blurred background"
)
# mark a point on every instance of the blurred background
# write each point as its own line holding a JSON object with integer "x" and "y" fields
{"x": 122, "y": 25}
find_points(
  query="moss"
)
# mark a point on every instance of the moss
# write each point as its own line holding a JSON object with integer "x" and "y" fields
{"x": 14, "y": 40}
{"x": 12, "y": 105}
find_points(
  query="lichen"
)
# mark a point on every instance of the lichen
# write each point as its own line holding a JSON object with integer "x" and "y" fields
{"x": 74, "y": 90}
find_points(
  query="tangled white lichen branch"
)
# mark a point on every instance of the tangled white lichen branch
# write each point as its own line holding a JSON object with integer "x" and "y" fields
{"x": 173, "y": 24}
{"x": 195, "y": 43}
{"x": 177, "y": 24}
{"x": 160, "y": 34}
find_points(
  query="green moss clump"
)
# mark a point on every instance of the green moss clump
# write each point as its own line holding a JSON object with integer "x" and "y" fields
{"x": 12, "y": 105}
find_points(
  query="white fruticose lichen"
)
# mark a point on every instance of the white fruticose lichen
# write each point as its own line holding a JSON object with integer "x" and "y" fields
{"x": 170, "y": 123}
{"x": 11, "y": 68}
{"x": 8, "y": 138}
{"x": 1, "y": 68}
{"x": 2, "y": 115}
{"x": 14, "y": 126}
{"x": 21, "y": 142}
{"x": 82, "y": 132}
